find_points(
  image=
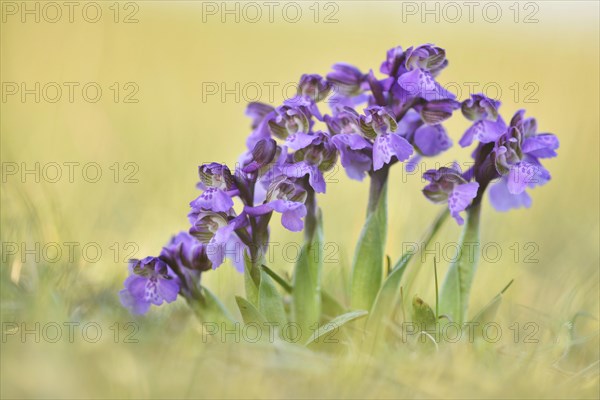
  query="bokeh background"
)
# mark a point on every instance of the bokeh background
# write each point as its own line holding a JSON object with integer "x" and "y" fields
{"x": 175, "y": 79}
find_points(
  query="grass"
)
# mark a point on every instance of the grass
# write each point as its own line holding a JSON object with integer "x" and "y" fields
{"x": 168, "y": 354}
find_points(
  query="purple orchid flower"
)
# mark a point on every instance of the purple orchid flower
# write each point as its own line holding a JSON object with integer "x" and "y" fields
{"x": 304, "y": 168}
{"x": 516, "y": 157}
{"x": 187, "y": 257}
{"x": 286, "y": 197}
{"x": 315, "y": 147}
{"x": 428, "y": 138}
{"x": 488, "y": 125}
{"x": 290, "y": 119}
{"x": 314, "y": 154}
{"x": 306, "y": 105}
{"x": 448, "y": 185}
{"x": 314, "y": 87}
{"x": 217, "y": 231}
{"x": 378, "y": 124}
{"x": 185, "y": 252}
{"x": 422, "y": 64}
{"x": 354, "y": 160}
{"x": 426, "y": 57}
{"x": 394, "y": 63}
{"x": 151, "y": 282}
{"x": 345, "y": 120}
{"x": 263, "y": 154}
{"x": 217, "y": 182}
{"x": 346, "y": 80}
{"x": 355, "y": 151}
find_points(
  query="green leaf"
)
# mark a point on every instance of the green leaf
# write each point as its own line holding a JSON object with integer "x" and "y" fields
{"x": 279, "y": 279}
{"x": 306, "y": 295}
{"x": 249, "y": 313}
{"x": 330, "y": 306}
{"x": 456, "y": 288}
{"x": 386, "y": 300}
{"x": 334, "y": 324}
{"x": 270, "y": 302}
{"x": 214, "y": 307}
{"x": 367, "y": 267}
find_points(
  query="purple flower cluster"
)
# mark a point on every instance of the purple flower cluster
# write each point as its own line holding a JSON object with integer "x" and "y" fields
{"x": 507, "y": 157}
{"x": 154, "y": 280}
{"x": 403, "y": 114}
{"x": 372, "y": 122}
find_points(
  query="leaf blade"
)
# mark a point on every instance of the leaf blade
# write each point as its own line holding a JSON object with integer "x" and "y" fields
{"x": 270, "y": 302}
{"x": 250, "y": 314}
{"x": 306, "y": 295}
{"x": 367, "y": 266}
{"x": 335, "y": 323}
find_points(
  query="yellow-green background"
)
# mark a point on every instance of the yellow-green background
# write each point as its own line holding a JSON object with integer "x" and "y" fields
{"x": 169, "y": 53}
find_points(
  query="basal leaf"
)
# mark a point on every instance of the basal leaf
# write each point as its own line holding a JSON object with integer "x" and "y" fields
{"x": 249, "y": 313}
{"x": 214, "y": 307}
{"x": 270, "y": 302}
{"x": 367, "y": 266}
{"x": 329, "y": 305}
{"x": 306, "y": 294}
{"x": 334, "y": 324}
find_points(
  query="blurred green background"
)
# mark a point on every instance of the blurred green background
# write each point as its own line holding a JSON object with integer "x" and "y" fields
{"x": 168, "y": 119}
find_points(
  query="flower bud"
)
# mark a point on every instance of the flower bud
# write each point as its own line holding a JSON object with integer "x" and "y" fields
{"x": 284, "y": 188}
{"x": 480, "y": 107}
{"x": 314, "y": 87}
{"x": 216, "y": 175}
{"x": 426, "y": 57}
{"x": 443, "y": 181}
{"x": 437, "y": 111}
{"x": 186, "y": 252}
{"x": 346, "y": 120}
{"x": 289, "y": 120}
{"x": 206, "y": 223}
{"x": 263, "y": 154}
{"x": 258, "y": 111}
{"x": 507, "y": 150}
{"x": 377, "y": 121}
{"x": 346, "y": 79}
{"x": 394, "y": 60}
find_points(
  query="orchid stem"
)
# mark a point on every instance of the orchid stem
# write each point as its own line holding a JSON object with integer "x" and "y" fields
{"x": 378, "y": 181}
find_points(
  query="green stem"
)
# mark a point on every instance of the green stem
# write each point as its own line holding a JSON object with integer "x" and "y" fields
{"x": 378, "y": 180}
{"x": 456, "y": 288}
{"x": 311, "y": 219}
